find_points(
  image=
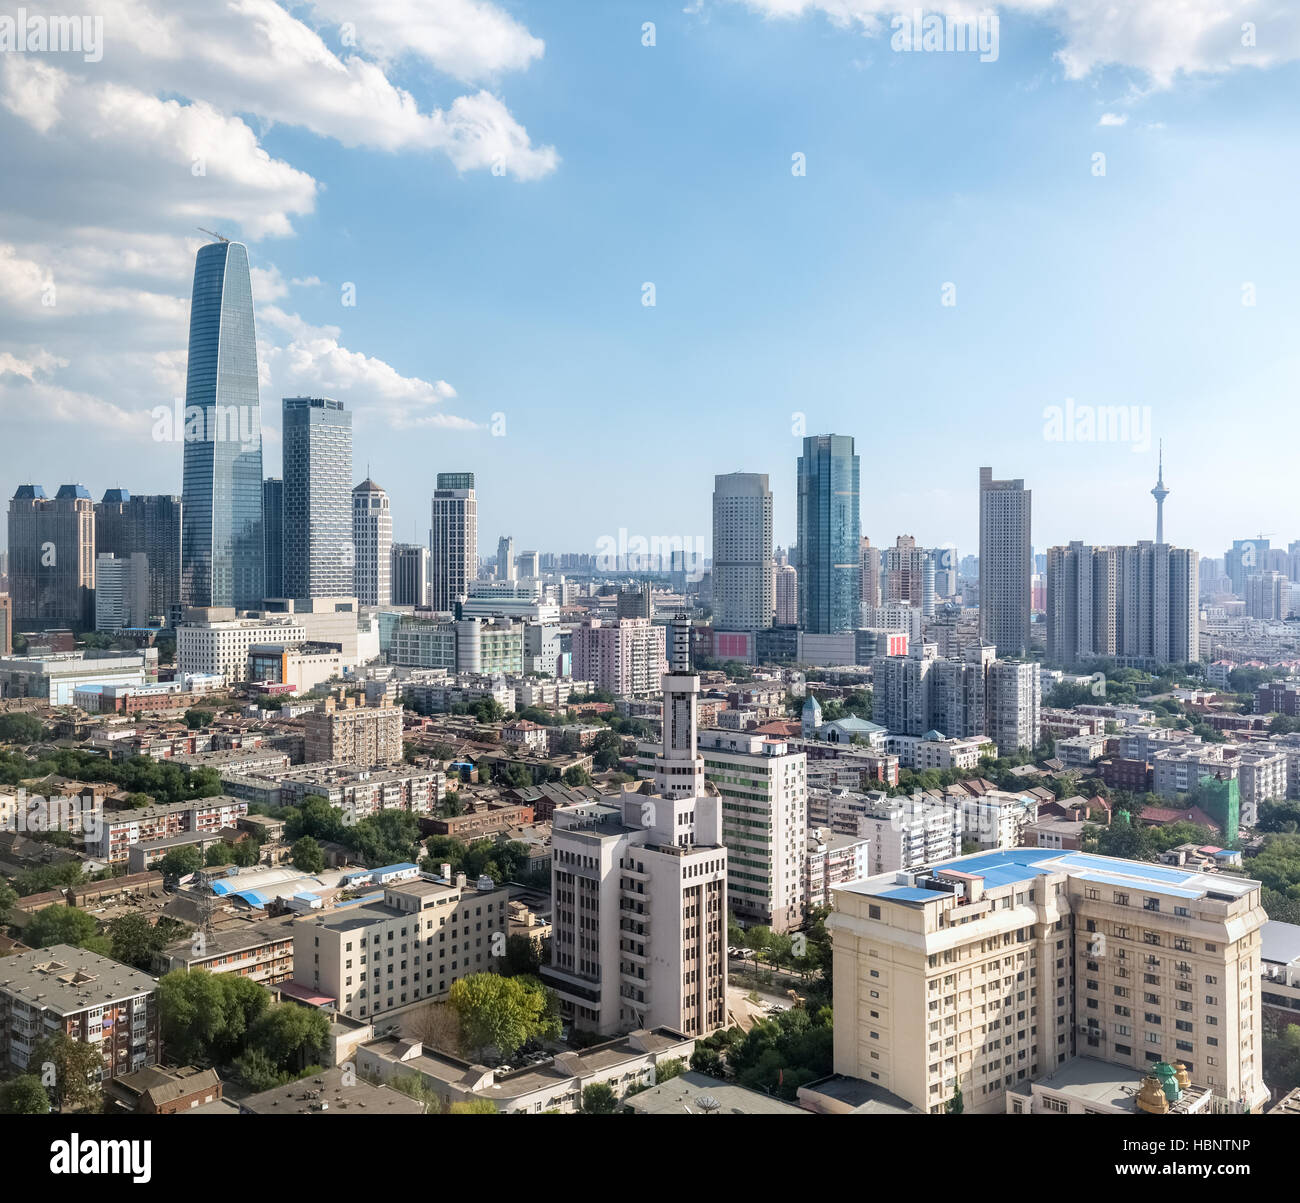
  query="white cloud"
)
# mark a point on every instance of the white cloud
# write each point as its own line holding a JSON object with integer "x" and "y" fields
{"x": 1160, "y": 38}
{"x": 1113, "y": 119}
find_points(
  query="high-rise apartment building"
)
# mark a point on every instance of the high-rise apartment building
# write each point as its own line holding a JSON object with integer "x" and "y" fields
{"x": 353, "y": 733}
{"x": 764, "y": 792}
{"x": 126, "y": 526}
{"x": 786, "y": 589}
{"x": 908, "y": 577}
{"x": 830, "y": 534}
{"x": 640, "y": 889}
{"x": 869, "y": 565}
{"x": 637, "y": 602}
{"x": 743, "y": 581}
{"x": 625, "y": 656}
{"x": 319, "y": 556}
{"x": 221, "y": 523}
{"x": 453, "y": 539}
{"x": 410, "y": 574}
{"x": 1268, "y": 596}
{"x": 1137, "y": 604}
{"x": 121, "y": 591}
{"x": 6, "y": 624}
{"x": 52, "y": 558}
{"x": 1244, "y": 557}
{"x": 372, "y": 540}
{"x": 273, "y": 534}
{"x": 529, "y": 565}
{"x": 1006, "y": 564}
{"x": 986, "y": 972}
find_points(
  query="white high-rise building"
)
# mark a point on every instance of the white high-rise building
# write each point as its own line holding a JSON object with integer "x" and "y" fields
{"x": 743, "y": 583}
{"x": 640, "y": 889}
{"x": 121, "y": 591}
{"x": 453, "y": 539}
{"x": 787, "y": 595}
{"x": 372, "y": 542}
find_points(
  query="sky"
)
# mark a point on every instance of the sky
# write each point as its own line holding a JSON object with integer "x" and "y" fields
{"x": 458, "y": 211}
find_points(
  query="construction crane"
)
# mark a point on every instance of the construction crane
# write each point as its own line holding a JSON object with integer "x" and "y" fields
{"x": 213, "y": 234}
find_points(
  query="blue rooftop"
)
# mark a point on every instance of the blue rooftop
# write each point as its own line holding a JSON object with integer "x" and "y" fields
{"x": 910, "y": 894}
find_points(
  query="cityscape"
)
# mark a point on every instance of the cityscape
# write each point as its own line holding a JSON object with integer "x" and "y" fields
{"x": 361, "y": 757}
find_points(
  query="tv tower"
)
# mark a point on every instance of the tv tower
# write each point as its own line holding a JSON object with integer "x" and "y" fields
{"x": 1160, "y": 493}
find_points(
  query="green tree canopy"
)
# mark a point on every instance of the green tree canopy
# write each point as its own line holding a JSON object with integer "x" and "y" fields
{"x": 503, "y": 1012}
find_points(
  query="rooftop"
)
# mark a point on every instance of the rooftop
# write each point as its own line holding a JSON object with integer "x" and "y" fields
{"x": 694, "y": 1093}
{"x": 66, "y": 980}
{"x": 325, "y": 1094}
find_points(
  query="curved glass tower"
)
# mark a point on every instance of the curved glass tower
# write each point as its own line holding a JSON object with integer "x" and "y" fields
{"x": 222, "y": 557}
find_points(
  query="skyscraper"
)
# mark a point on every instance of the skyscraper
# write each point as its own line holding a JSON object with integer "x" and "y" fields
{"x": 221, "y": 533}
{"x": 505, "y": 558}
{"x": 372, "y": 537}
{"x": 869, "y": 558}
{"x": 909, "y": 576}
{"x": 787, "y": 596}
{"x": 410, "y": 574}
{"x": 1006, "y": 564}
{"x": 318, "y": 551}
{"x": 829, "y": 534}
{"x": 744, "y": 584}
{"x": 273, "y": 534}
{"x": 126, "y": 526}
{"x": 52, "y": 558}
{"x": 453, "y": 539}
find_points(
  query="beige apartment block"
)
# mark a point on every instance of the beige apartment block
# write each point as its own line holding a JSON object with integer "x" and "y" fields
{"x": 992, "y": 970}
{"x": 354, "y": 733}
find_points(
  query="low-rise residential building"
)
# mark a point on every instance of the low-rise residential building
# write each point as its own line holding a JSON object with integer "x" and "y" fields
{"x": 261, "y": 951}
{"x": 120, "y": 829}
{"x": 832, "y": 859}
{"x": 85, "y": 996}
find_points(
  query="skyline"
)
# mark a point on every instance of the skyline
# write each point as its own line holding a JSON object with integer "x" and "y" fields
{"x": 519, "y": 293}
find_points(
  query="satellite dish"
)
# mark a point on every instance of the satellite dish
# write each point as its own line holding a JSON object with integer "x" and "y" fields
{"x": 708, "y": 1104}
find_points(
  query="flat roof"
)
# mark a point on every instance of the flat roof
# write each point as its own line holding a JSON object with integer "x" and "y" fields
{"x": 1281, "y": 942}
{"x": 325, "y": 1094}
{"x": 684, "y": 1094}
{"x": 66, "y": 979}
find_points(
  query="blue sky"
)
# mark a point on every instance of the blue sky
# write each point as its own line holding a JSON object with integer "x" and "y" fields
{"x": 777, "y": 295}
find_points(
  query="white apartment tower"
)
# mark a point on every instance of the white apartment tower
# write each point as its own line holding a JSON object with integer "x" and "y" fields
{"x": 640, "y": 889}
{"x": 372, "y": 542}
{"x": 505, "y": 558}
{"x": 744, "y": 597}
{"x": 453, "y": 539}
{"x": 1006, "y": 564}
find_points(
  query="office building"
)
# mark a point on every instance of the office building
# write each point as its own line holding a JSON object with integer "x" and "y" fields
{"x": 990, "y": 971}
{"x": 640, "y": 889}
{"x": 1268, "y": 596}
{"x": 505, "y": 558}
{"x": 122, "y": 597}
{"x": 1005, "y": 564}
{"x": 528, "y": 566}
{"x": 372, "y": 539}
{"x": 319, "y": 556}
{"x": 829, "y": 533}
{"x": 410, "y": 947}
{"x": 869, "y": 565}
{"x": 743, "y": 582}
{"x": 52, "y": 558}
{"x": 214, "y": 641}
{"x": 222, "y": 542}
{"x": 410, "y": 574}
{"x": 126, "y": 526}
{"x": 453, "y": 539}
{"x": 273, "y": 534}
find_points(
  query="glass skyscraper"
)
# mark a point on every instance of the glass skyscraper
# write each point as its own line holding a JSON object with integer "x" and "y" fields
{"x": 221, "y": 524}
{"x": 273, "y": 534}
{"x": 318, "y": 553}
{"x": 829, "y": 531}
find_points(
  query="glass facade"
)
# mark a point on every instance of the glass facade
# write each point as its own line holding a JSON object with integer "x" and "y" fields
{"x": 317, "y": 533}
{"x": 222, "y": 554}
{"x": 830, "y": 523}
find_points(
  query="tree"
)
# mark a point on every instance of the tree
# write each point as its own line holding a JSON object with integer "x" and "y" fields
{"x": 435, "y": 1026}
{"x": 69, "y": 1070}
{"x": 21, "y": 729}
{"x": 207, "y": 1016}
{"x": 8, "y": 899}
{"x": 955, "y": 1106}
{"x": 522, "y": 956}
{"x": 291, "y": 1036}
{"x": 306, "y": 855}
{"x": 576, "y": 776}
{"x": 707, "y": 1061}
{"x": 1282, "y": 1058}
{"x": 412, "y": 1085}
{"x": 60, "y": 924}
{"x": 181, "y": 861}
{"x": 473, "y": 1107}
{"x": 503, "y": 1012}
{"x": 194, "y": 719}
{"x": 24, "y": 1095}
{"x": 598, "y": 1099}
{"x": 667, "y": 1070}
{"x": 135, "y": 939}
